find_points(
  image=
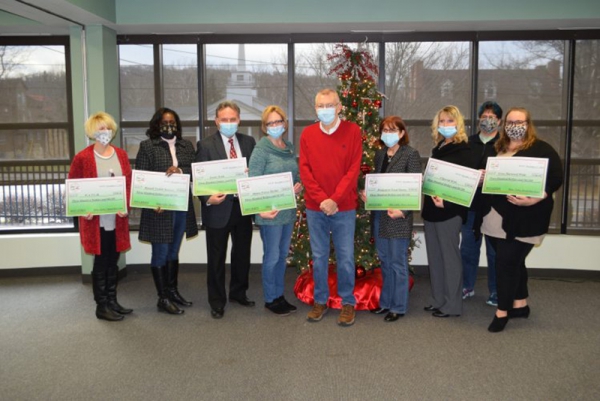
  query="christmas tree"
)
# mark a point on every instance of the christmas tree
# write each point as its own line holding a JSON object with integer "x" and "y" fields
{"x": 357, "y": 89}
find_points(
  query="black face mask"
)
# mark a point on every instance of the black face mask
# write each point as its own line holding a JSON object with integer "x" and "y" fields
{"x": 168, "y": 131}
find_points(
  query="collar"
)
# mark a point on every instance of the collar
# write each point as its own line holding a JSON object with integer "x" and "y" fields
{"x": 333, "y": 129}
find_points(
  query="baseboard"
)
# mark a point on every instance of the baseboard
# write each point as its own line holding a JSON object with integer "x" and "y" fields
{"x": 532, "y": 273}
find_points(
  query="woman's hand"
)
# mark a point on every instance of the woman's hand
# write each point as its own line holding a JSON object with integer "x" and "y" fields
{"x": 438, "y": 202}
{"x": 269, "y": 215}
{"x": 481, "y": 178}
{"x": 158, "y": 210}
{"x": 88, "y": 216}
{"x": 298, "y": 188}
{"x": 395, "y": 214}
{"x": 216, "y": 199}
{"x": 122, "y": 214}
{"x": 519, "y": 200}
{"x": 362, "y": 194}
{"x": 174, "y": 170}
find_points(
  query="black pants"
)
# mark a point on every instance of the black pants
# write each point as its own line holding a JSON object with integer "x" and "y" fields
{"x": 104, "y": 272}
{"x": 511, "y": 273}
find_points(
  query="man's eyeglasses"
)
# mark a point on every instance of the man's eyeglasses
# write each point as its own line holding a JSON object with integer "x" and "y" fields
{"x": 274, "y": 123}
{"x": 327, "y": 106}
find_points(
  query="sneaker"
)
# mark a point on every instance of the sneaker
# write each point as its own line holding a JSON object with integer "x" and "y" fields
{"x": 468, "y": 293}
{"x": 290, "y": 307}
{"x": 492, "y": 300}
{"x": 346, "y": 315}
{"x": 277, "y": 307}
{"x": 317, "y": 312}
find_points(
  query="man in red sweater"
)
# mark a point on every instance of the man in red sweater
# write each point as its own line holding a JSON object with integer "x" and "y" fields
{"x": 330, "y": 156}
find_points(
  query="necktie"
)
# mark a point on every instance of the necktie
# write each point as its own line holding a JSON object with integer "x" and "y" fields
{"x": 232, "y": 152}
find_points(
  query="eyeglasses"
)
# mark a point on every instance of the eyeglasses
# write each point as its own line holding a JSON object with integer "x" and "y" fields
{"x": 390, "y": 131}
{"x": 274, "y": 123}
{"x": 327, "y": 106}
{"x": 516, "y": 122}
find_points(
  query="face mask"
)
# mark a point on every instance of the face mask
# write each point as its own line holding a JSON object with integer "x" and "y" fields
{"x": 168, "y": 131}
{"x": 516, "y": 132}
{"x": 228, "y": 129}
{"x": 103, "y": 137}
{"x": 390, "y": 138}
{"x": 276, "y": 132}
{"x": 447, "y": 132}
{"x": 488, "y": 125}
{"x": 326, "y": 116}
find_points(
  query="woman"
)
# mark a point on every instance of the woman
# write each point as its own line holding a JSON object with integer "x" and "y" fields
{"x": 273, "y": 154}
{"x": 443, "y": 219}
{"x": 105, "y": 236}
{"x": 393, "y": 229}
{"x": 516, "y": 223}
{"x": 166, "y": 151}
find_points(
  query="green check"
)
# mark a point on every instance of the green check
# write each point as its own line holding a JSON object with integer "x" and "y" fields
{"x": 95, "y": 196}
{"x": 393, "y": 191}
{"x": 451, "y": 182}
{"x": 266, "y": 193}
{"x": 218, "y": 176}
{"x": 524, "y": 176}
{"x": 151, "y": 190}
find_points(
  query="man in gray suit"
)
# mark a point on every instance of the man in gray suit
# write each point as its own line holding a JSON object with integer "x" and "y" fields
{"x": 222, "y": 217}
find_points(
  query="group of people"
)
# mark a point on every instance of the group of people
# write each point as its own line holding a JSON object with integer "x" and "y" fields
{"x": 327, "y": 171}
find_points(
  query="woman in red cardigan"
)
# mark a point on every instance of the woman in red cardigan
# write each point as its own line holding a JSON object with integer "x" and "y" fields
{"x": 104, "y": 236}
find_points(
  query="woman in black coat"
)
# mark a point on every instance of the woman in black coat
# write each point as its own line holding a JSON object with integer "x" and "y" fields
{"x": 516, "y": 223}
{"x": 166, "y": 151}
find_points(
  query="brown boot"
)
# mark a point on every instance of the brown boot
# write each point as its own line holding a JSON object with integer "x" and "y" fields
{"x": 317, "y": 312}
{"x": 346, "y": 315}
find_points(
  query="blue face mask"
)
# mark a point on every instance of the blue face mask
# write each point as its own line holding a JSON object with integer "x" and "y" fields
{"x": 275, "y": 132}
{"x": 447, "y": 132}
{"x": 326, "y": 116}
{"x": 390, "y": 138}
{"x": 228, "y": 129}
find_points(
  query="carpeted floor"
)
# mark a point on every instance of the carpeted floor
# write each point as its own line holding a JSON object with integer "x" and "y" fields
{"x": 53, "y": 348}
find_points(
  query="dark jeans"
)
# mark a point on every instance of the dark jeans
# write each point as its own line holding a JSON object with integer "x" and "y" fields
{"x": 166, "y": 252}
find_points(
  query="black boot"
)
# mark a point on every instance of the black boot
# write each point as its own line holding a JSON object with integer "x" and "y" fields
{"x": 164, "y": 303}
{"x": 103, "y": 312}
{"x": 111, "y": 289}
{"x": 172, "y": 273}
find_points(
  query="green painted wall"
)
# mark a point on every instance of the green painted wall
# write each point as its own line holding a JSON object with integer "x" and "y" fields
{"x": 12, "y": 19}
{"x": 102, "y": 8}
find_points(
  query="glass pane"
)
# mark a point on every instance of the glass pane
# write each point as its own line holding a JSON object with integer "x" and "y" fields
{"x": 423, "y": 77}
{"x": 33, "y": 84}
{"x": 137, "y": 82}
{"x": 180, "y": 75}
{"x": 253, "y": 75}
{"x": 255, "y": 132}
{"x": 34, "y": 144}
{"x": 133, "y": 136}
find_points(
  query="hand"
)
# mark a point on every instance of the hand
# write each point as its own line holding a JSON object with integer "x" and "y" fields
{"x": 174, "y": 170}
{"x": 329, "y": 207}
{"x": 363, "y": 195}
{"x": 481, "y": 178}
{"x": 216, "y": 199}
{"x": 269, "y": 215}
{"x": 438, "y": 202}
{"x": 122, "y": 214}
{"x": 298, "y": 188}
{"x": 519, "y": 200}
{"x": 88, "y": 216}
{"x": 158, "y": 210}
{"x": 395, "y": 214}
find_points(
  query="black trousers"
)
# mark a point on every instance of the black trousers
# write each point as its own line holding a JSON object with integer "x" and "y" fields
{"x": 104, "y": 272}
{"x": 511, "y": 272}
{"x": 240, "y": 229}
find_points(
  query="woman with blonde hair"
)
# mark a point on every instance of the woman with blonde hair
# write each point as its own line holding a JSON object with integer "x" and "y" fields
{"x": 104, "y": 236}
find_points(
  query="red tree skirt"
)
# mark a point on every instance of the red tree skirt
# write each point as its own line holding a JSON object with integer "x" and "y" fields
{"x": 366, "y": 289}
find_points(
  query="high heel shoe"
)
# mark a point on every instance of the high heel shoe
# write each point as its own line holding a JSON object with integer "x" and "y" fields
{"x": 519, "y": 312}
{"x": 498, "y": 324}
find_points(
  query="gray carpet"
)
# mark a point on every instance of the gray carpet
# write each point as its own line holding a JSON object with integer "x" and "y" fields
{"x": 53, "y": 348}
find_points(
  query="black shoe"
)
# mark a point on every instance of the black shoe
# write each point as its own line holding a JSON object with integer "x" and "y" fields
{"x": 165, "y": 305}
{"x": 243, "y": 301}
{"x": 392, "y": 317}
{"x": 430, "y": 308}
{"x": 519, "y": 312}
{"x": 439, "y": 313}
{"x": 114, "y": 305}
{"x": 379, "y": 311}
{"x": 217, "y": 313}
{"x": 290, "y": 307}
{"x": 105, "y": 313}
{"x": 278, "y": 307}
{"x": 498, "y": 324}
{"x": 176, "y": 297}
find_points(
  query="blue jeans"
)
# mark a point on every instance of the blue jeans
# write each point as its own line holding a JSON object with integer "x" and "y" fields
{"x": 321, "y": 228}
{"x": 470, "y": 249}
{"x": 393, "y": 254}
{"x": 166, "y": 252}
{"x": 276, "y": 246}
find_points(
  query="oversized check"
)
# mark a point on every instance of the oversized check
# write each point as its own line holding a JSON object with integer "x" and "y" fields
{"x": 151, "y": 190}
{"x": 266, "y": 192}
{"x": 515, "y": 176}
{"x": 218, "y": 176}
{"x": 451, "y": 182}
{"x": 393, "y": 191}
{"x": 95, "y": 196}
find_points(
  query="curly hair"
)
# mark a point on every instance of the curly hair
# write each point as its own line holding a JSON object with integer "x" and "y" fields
{"x": 153, "y": 130}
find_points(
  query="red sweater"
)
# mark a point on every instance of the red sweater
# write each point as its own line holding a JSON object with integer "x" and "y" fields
{"x": 84, "y": 166}
{"x": 330, "y": 164}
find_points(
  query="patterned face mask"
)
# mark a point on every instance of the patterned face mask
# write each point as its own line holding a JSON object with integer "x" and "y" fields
{"x": 488, "y": 125}
{"x": 103, "y": 137}
{"x": 516, "y": 132}
{"x": 168, "y": 131}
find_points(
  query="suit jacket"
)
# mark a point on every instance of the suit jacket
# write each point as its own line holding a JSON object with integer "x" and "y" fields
{"x": 212, "y": 148}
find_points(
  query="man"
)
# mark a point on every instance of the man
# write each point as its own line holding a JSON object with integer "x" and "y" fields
{"x": 330, "y": 156}
{"x": 222, "y": 217}
{"x": 482, "y": 147}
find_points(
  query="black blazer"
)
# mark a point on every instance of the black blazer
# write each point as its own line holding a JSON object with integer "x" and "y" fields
{"x": 210, "y": 149}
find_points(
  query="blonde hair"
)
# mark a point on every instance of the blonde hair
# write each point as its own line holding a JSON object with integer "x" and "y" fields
{"x": 98, "y": 119}
{"x": 273, "y": 109}
{"x": 327, "y": 92}
{"x": 454, "y": 112}
{"x": 530, "y": 135}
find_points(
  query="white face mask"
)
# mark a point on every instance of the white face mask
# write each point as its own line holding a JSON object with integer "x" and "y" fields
{"x": 103, "y": 136}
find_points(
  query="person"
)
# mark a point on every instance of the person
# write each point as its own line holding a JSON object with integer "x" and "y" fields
{"x": 393, "y": 228}
{"x": 166, "y": 151}
{"x": 330, "y": 156}
{"x": 516, "y": 223}
{"x": 274, "y": 154}
{"x": 222, "y": 216}
{"x": 104, "y": 236}
{"x": 482, "y": 147}
{"x": 443, "y": 219}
